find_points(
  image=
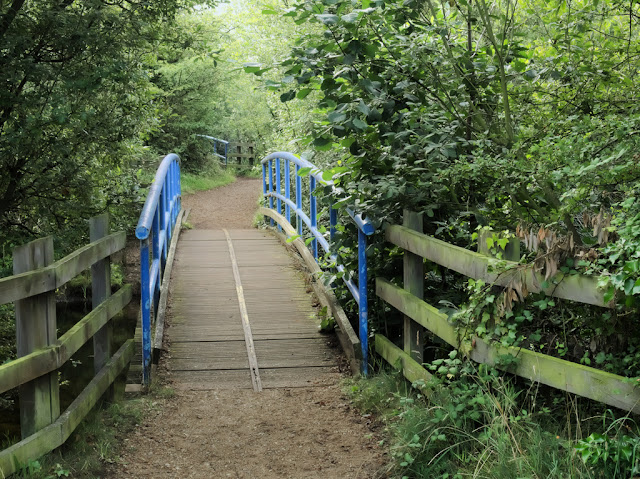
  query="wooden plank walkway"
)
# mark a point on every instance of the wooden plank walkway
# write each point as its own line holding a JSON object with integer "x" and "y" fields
{"x": 208, "y": 344}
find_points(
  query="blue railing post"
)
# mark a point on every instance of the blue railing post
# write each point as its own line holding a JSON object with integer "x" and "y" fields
{"x": 365, "y": 228}
{"x": 215, "y": 141}
{"x": 162, "y": 208}
{"x": 333, "y": 221}
{"x": 145, "y": 303}
{"x": 287, "y": 188}
{"x": 298, "y": 200}
{"x": 264, "y": 180}
{"x": 156, "y": 262}
{"x": 278, "y": 188}
{"x": 271, "y": 186}
{"x": 363, "y": 307}
{"x": 313, "y": 213}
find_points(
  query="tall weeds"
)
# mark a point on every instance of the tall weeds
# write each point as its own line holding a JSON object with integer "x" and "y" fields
{"x": 472, "y": 424}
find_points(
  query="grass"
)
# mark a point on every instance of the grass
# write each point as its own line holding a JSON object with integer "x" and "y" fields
{"x": 475, "y": 425}
{"x": 98, "y": 440}
{"x": 214, "y": 175}
{"x": 206, "y": 180}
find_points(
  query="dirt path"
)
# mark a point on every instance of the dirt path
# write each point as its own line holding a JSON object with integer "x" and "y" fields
{"x": 278, "y": 433}
{"x": 232, "y": 206}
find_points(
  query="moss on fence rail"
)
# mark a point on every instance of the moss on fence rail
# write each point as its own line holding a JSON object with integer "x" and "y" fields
{"x": 50, "y": 358}
{"x": 575, "y": 378}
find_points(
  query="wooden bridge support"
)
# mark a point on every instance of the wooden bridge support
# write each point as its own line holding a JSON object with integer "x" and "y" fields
{"x": 41, "y": 353}
{"x": 100, "y": 290}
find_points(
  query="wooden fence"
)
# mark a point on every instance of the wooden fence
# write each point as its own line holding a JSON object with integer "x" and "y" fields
{"x": 41, "y": 353}
{"x": 420, "y": 316}
{"x": 239, "y": 151}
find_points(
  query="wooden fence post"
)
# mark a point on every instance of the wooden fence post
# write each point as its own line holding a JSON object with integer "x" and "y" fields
{"x": 414, "y": 283}
{"x": 36, "y": 328}
{"x": 100, "y": 291}
{"x": 251, "y": 157}
{"x": 239, "y": 148}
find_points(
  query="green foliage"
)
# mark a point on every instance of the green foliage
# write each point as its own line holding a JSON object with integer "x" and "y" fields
{"x": 484, "y": 114}
{"x": 188, "y": 82}
{"x": 96, "y": 442}
{"x": 74, "y": 108}
{"x": 327, "y": 322}
{"x": 471, "y": 423}
{"x": 614, "y": 452}
{"x": 611, "y": 456}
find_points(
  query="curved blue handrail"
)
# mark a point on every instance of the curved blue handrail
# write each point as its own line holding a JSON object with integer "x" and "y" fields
{"x": 155, "y": 226}
{"x": 171, "y": 161}
{"x": 272, "y": 165}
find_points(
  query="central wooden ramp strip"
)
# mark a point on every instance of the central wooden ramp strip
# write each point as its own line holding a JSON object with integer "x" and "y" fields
{"x": 206, "y": 333}
{"x": 246, "y": 326}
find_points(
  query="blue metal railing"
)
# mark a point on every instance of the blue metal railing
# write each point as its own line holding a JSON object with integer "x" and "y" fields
{"x": 216, "y": 142}
{"x": 155, "y": 226}
{"x": 272, "y": 189}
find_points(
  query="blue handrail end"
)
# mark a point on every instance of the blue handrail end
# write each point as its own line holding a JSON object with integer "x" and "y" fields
{"x": 364, "y": 224}
{"x": 142, "y": 233}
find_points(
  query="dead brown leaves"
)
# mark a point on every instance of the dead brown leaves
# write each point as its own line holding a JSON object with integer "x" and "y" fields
{"x": 516, "y": 290}
{"x": 553, "y": 250}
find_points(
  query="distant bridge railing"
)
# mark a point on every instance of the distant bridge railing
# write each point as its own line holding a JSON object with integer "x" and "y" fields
{"x": 155, "y": 230}
{"x": 41, "y": 353}
{"x": 278, "y": 176}
{"x": 219, "y": 146}
{"x": 233, "y": 152}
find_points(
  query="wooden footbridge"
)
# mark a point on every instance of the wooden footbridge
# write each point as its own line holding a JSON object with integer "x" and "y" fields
{"x": 240, "y": 311}
{"x": 241, "y": 316}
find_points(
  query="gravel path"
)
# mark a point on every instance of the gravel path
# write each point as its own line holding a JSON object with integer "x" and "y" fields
{"x": 232, "y": 206}
{"x": 301, "y": 433}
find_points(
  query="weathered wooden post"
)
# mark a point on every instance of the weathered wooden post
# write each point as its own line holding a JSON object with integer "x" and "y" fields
{"x": 414, "y": 283}
{"x": 239, "y": 150}
{"x": 100, "y": 291}
{"x": 35, "y": 329}
{"x": 251, "y": 157}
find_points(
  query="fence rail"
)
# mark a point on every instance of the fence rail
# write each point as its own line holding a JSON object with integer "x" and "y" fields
{"x": 155, "y": 228}
{"x": 575, "y": 378}
{"x": 242, "y": 150}
{"x": 41, "y": 353}
{"x": 277, "y": 176}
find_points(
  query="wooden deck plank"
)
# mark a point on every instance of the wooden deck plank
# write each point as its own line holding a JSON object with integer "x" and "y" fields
{"x": 240, "y": 379}
{"x": 206, "y": 334}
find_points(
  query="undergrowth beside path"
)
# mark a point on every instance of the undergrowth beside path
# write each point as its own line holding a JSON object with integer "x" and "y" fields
{"x": 212, "y": 176}
{"x": 481, "y": 425}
